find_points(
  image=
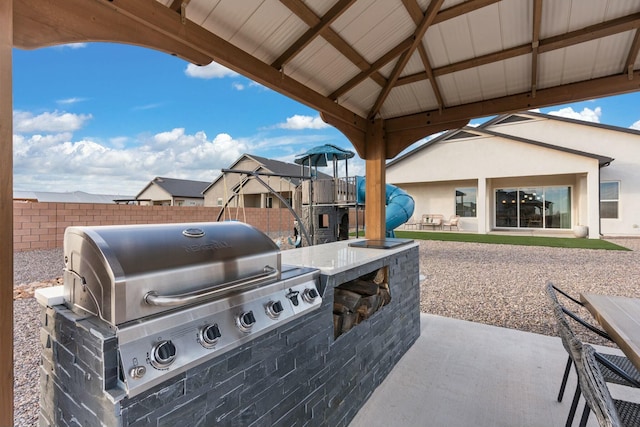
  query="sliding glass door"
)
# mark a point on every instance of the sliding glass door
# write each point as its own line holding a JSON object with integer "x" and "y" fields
{"x": 533, "y": 207}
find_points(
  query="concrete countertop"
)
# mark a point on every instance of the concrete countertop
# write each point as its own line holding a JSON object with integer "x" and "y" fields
{"x": 333, "y": 258}
{"x": 48, "y": 297}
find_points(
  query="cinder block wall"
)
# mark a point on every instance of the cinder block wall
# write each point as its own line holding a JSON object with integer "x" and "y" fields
{"x": 296, "y": 375}
{"x": 42, "y": 225}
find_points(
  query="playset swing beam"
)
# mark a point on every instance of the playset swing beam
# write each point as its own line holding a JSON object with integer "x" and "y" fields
{"x": 257, "y": 175}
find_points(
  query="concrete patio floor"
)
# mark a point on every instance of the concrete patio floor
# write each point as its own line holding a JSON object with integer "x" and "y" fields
{"x": 461, "y": 374}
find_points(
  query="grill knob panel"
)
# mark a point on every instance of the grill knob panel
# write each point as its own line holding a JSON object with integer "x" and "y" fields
{"x": 309, "y": 295}
{"x": 209, "y": 335}
{"x": 245, "y": 321}
{"x": 163, "y": 354}
{"x": 273, "y": 309}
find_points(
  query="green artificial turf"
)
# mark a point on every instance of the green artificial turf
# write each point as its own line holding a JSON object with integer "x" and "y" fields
{"x": 556, "y": 242}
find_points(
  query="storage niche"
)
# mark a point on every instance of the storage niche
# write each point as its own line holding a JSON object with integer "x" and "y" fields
{"x": 357, "y": 300}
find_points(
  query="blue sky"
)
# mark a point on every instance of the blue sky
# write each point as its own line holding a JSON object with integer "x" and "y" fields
{"x": 106, "y": 119}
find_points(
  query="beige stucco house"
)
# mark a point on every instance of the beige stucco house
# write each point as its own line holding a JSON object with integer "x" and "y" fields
{"x": 282, "y": 177}
{"x": 172, "y": 192}
{"x": 528, "y": 172}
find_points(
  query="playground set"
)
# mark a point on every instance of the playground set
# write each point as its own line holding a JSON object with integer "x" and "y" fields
{"x": 321, "y": 207}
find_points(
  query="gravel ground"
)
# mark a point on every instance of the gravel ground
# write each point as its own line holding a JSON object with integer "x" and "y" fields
{"x": 499, "y": 285}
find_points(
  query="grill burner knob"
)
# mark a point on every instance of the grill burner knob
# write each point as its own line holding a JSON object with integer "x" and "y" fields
{"x": 309, "y": 294}
{"x": 209, "y": 335}
{"x": 274, "y": 308}
{"x": 293, "y": 296}
{"x": 245, "y": 321}
{"x": 163, "y": 354}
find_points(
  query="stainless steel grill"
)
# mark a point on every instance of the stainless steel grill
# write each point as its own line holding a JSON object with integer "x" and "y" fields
{"x": 180, "y": 294}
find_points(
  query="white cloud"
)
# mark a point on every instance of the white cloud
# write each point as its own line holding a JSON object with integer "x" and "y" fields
{"x": 636, "y": 125}
{"x": 298, "y": 122}
{"x": 69, "y": 101}
{"x": 147, "y": 107}
{"x": 71, "y": 46}
{"x": 587, "y": 114}
{"x": 26, "y": 122}
{"x": 238, "y": 86}
{"x": 211, "y": 71}
{"x": 57, "y": 162}
{"x": 119, "y": 141}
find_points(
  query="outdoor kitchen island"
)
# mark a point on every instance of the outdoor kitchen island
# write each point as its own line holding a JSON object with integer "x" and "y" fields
{"x": 315, "y": 371}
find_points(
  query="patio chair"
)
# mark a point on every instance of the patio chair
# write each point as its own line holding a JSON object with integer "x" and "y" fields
{"x": 621, "y": 369}
{"x": 615, "y": 369}
{"x": 452, "y": 222}
{"x": 609, "y": 412}
{"x": 411, "y": 223}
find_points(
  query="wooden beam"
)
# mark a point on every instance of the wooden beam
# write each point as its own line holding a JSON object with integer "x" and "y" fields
{"x": 381, "y": 62}
{"x": 375, "y": 184}
{"x": 399, "y": 140}
{"x": 413, "y": 8}
{"x": 150, "y": 16}
{"x": 593, "y": 32}
{"x": 6, "y": 214}
{"x": 462, "y": 9}
{"x": 354, "y": 135}
{"x": 303, "y": 12}
{"x": 77, "y": 21}
{"x": 633, "y": 55}
{"x": 417, "y": 37}
{"x": 535, "y": 41}
{"x": 579, "y": 91}
{"x": 313, "y": 32}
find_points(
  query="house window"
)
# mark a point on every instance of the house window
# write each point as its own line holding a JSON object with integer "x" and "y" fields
{"x": 533, "y": 207}
{"x": 609, "y": 199}
{"x": 269, "y": 202}
{"x": 466, "y": 201}
{"x": 219, "y": 201}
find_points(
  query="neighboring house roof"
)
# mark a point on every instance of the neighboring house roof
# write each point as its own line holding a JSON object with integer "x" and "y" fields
{"x": 483, "y": 130}
{"x": 274, "y": 166}
{"x": 178, "y": 187}
{"x": 525, "y": 115}
{"x": 67, "y": 197}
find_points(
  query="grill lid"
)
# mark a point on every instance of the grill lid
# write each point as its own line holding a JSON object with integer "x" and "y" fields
{"x": 123, "y": 273}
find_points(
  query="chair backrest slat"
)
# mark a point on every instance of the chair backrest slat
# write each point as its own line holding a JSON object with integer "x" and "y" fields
{"x": 595, "y": 390}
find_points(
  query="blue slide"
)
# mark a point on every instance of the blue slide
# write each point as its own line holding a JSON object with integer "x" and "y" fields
{"x": 399, "y": 205}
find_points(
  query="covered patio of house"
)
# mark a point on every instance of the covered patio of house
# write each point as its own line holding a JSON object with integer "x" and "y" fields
{"x": 384, "y": 73}
{"x": 461, "y": 373}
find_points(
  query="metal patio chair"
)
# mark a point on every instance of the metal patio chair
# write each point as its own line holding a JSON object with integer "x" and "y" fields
{"x": 615, "y": 369}
{"x": 609, "y": 412}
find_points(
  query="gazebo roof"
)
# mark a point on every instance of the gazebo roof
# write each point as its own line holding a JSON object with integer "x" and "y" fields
{"x": 422, "y": 66}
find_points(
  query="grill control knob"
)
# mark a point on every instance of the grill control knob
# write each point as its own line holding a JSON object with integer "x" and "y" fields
{"x": 245, "y": 321}
{"x": 163, "y": 354}
{"x": 209, "y": 335}
{"x": 309, "y": 294}
{"x": 293, "y": 296}
{"x": 273, "y": 309}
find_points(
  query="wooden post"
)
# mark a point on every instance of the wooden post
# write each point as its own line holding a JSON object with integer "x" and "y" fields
{"x": 6, "y": 214}
{"x": 375, "y": 183}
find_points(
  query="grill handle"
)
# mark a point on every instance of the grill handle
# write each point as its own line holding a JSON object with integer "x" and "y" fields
{"x": 152, "y": 297}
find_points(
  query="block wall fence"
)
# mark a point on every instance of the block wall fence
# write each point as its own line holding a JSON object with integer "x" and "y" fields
{"x": 42, "y": 225}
